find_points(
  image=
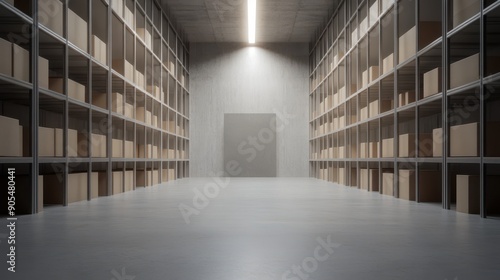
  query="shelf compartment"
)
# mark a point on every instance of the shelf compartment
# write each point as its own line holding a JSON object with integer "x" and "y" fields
{"x": 492, "y": 190}
{"x": 492, "y": 41}
{"x": 462, "y": 10}
{"x": 387, "y": 42}
{"x": 430, "y": 72}
{"x": 99, "y": 31}
{"x": 406, "y": 184}
{"x": 430, "y": 125}
{"x": 464, "y": 54}
{"x": 78, "y": 24}
{"x": 51, "y": 13}
{"x": 464, "y": 124}
{"x": 387, "y": 179}
{"x": 430, "y": 183}
{"x": 429, "y": 22}
{"x": 406, "y": 84}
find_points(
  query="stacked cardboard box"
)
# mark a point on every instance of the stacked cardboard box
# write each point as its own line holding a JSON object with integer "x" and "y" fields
{"x": 388, "y": 148}
{"x": 11, "y": 143}
{"x": 129, "y": 180}
{"x": 408, "y": 147}
{"x": 77, "y": 30}
{"x": 464, "y": 140}
{"x": 99, "y": 49}
{"x": 6, "y": 50}
{"x": 129, "y": 149}
{"x": 468, "y": 194}
{"x": 406, "y": 181}
{"x": 117, "y": 182}
{"x": 459, "y": 77}
{"x": 77, "y": 187}
{"x": 388, "y": 63}
{"x": 117, "y": 102}
{"x": 464, "y": 9}
{"x": 388, "y": 183}
{"x": 98, "y": 142}
{"x": 117, "y": 150}
{"x": 408, "y": 44}
{"x": 406, "y": 98}
{"x": 53, "y": 18}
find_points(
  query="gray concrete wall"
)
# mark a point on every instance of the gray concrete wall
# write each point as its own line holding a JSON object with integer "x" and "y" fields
{"x": 236, "y": 78}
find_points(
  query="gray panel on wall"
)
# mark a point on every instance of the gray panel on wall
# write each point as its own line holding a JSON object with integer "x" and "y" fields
{"x": 250, "y": 145}
{"x": 238, "y": 78}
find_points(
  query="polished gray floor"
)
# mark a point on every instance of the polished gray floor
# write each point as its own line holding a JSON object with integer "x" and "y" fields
{"x": 254, "y": 229}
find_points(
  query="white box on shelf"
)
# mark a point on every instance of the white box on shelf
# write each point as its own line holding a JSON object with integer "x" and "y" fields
{"x": 129, "y": 110}
{"x": 117, "y": 102}
{"x": 99, "y": 50}
{"x": 373, "y": 108}
{"x": 388, "y": 148}
{"x": 6, "y": 50}
{"x": 129, "y": 149}
{"x": 459, "y": 77}
{"x": 98, "y": 142}
{"x": 117, "y": 148}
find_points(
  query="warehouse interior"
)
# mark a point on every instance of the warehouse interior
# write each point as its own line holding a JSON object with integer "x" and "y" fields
{"x": 250, "y": 139}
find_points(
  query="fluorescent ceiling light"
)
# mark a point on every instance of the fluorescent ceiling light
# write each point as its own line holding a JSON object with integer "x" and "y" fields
{"x": 252, "y": 15}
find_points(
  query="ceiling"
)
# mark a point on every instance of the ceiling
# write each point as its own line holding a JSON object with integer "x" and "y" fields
{"x": 226, "y": 20}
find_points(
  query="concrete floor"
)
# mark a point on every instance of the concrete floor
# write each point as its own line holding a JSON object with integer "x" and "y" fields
{"x": 254, "y": 229}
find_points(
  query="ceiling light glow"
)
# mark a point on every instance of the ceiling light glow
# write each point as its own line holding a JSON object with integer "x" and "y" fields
{"x": 252, "y": 18}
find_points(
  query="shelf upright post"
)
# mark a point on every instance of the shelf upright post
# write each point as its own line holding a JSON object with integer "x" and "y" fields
{"x": 482, "y": 120}
{"x": 35, "y": 110}
{"x": 394, "y": 98}
{"x": 446, "y": 191}
{"x": 109, "y": 125}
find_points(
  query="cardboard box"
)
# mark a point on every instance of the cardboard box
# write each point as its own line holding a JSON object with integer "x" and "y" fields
{"x": 408, "y": 147}
{"x": 117, "y": 102}
{"x": 363, "y": 150}
{"x": 468, "y": 194}
{"x": 388, "y": 148}
{"x": 341, "y": 176}
{"x": 77, "y": 30}
{"x": 100, "y": 100}
{"x": 129, "y": 180}
{"x": 94, "y": 185}
{"x": 430, "y": 189}
{"x": 117, "y": 182}
{"x": 129, "y": 71}
{"x": 21, "y": 63}
{"x": 43, "y": 72}
{"x": 432, "y": 82}
{"x": 459, "y": 77}
{"x": 373, "y": 108}
{"x": 117, "y": 6}
{"x": 77, "y": 187}
{"x": 51, "y": 15}
{"x": 464, "y": 140}
{"x": 99, "y": 50}
{"x": 139, "y": 79}
{"x": 354, "y": 36}
{"x": 373, "y": 13}
{"x": 46, "y": 142}
{"x": 342, "y": 94}
{"x": 129, "y": 17}
{"x": 464, "y": 9}
{"x": 171, "y": 174}
{"x": 117, "y": 148}
{"x": 129, "y": 149}
{"x": 98, "y": 143}
{"x": 6, "y": 51}
{"x": 388, "y": 63}
{"x": 75, "y": 90}
{"x": 341, "y": 152}
{"x": 437, "y": 142}
{"x": 406, "y": 181}
{"x": 156, "y": 178}
{"x": 408, "y": 44}
{"x": 40, "y": 194}
{"x": 388, "y": 184}
{"x": 373, "y": 148}
{"x": 11, "y": 143}
{"x": 129, "y": 110}
{"x": 406, "y": 98}
{"x": 140, "y": 114}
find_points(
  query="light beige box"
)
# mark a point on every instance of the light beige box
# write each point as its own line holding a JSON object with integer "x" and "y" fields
{"x": 464, "y": 9}
{"x": 354, "y": 36}
{"x": 46, "y": 140}
{"x": 77, "y": 30}
{"x": 363, "y": 179}
{"x": 407, "y": 144}
{"x": 171, "y": 153}
{"x": 51, "y": 15}
{"x": 129, "y": 110}
{"x": 388, "y": 148}
{"x": 40, "y": 194}
{"x": 77, "y": 187}
{"x": 408, "y": 44}
{"x": 117, "y": 148}
{"x": 129, "y": 17}
{"x": 402, "y": 99}
{"x": 459, "y": 77}
{"x": 129, "y": 149}
{"x": 364, "y": 79}
{"x": 21, "y": 63}
{"x": 156, "y": 178}
{"x": 98, "y": 142}
{"x": 117, "y": 182}
{"x": 341, "y": 176}
{"x": 117, "y": 6}
{"x": 129, "y": 71}
{"x": 76, "y": 90}
{"x": 6, "y": 50}
{"x": 406, "y": 181}
{"x": 73, "y": 145}
{"x": 117, "y": 102}
{"x": 464, "y": 140}
{"x": 373, "y": 108}
{"x": 437, "y": 142}
{"x": 373, "y": 13}
{"x": 148, "y": 117}
{"x": 432, "y": 82}
{"x": 140, "y": 114}
{"x": 373, "y": 149}
{"x": 11, "y": 143}
{"x": 99, "y": 51}
{"x": 388, "y": 184}
{"x": 94, "y": 184}
{"x": 468, "y": 194}
{"x": 388, "y": 63}
{"x": 164, "y": 176}
{"x": 43, "y": 72}
{"x": 342, "y": 94}
{"x": 363, "y": 150}
{"x": 129, "y": 180}
{"x": 341, "y": 152}
{"x": 429, "y": 186}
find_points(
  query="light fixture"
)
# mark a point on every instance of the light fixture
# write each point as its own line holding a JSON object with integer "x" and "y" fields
{"x": 252, "y": 15}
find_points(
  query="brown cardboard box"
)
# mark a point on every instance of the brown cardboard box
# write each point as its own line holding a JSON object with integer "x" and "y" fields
{"x": 46, "y": 140}
{"x": 77, "y": 187}
{"x": 363, "y": 150}
{"x": 437, "y": 142}
{"x": 129, "y": 110}
{"x": 117, "y": 182}
{"x": 94, "y": 184}
{"x": 464, "y": 9}
{"x": 40, "y": 194}
{"x": 373, "y": 108}
{"x": 341, "y": 177}
{"x": 100, "y": 100}
{"x": 21, "y": 63}
{"x": 140, "y": 114}
{"x": 51, "y": 15}
{"x": 468, "y": 194}
{"x": 388, "y": 63}
{"x": 388, "y": 184}
{"x": 459, "y": 77}
{"x": 99, "y": 50}
{"x": 98, "y": 142}
{"x": 77, "y": 30}
{"x": 129, "y": 149}
{"x": 407, "y": 145}
{"x": 408, "y": 44}
{"x": 406, "y": 182}
{"x": 6, "y": 51}
{"x": 129, "y": 180}
{"x": 117, "y": 148}
{"x": 43, "y": 72}
{"x": 430, "y": 186}
{"x": 388, "y": 148}
{"x": 464, "y": 140}
{"x": 117, "y": 102}
{"x": 373, "y": 149}
{"x": 363, "y": 179}
{"x": 11, "y": 143}
{"x": 156, "y": 178}
{"x": 129, "y": 17}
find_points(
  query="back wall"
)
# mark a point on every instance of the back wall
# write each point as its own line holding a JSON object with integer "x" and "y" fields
{"x": 237, "y": 78}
